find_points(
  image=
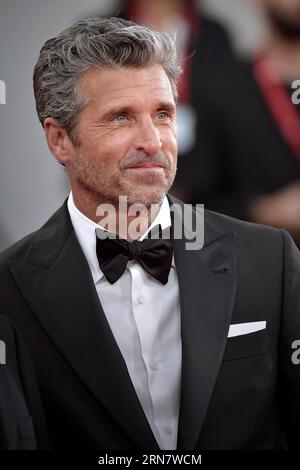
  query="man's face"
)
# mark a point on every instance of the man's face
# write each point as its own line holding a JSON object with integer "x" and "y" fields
{"x": 127, "y": 135}
{"x": 285, "y": 16}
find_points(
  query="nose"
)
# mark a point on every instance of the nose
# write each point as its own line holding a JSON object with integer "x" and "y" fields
{"x": 148, "y": 138}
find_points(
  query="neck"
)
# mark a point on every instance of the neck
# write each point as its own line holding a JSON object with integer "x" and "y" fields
{"x": 285, "y": 56}
{"x": 128, "y": 221}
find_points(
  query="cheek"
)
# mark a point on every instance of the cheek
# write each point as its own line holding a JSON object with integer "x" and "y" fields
{"x": 169, "y": 138}
{"x": 115, "y": 139}
{"x": 106, "y": 148}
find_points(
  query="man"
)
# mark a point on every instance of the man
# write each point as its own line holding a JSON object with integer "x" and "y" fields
{"x": 246, "y": 161}
{"x": 145, "y": 344}
{"x": 22, "y": 422}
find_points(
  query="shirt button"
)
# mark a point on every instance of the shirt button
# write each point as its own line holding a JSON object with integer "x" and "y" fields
{"x": 168, "y": 429}
{"x": 141, "y": 299}
{"x": 153, "y": 365}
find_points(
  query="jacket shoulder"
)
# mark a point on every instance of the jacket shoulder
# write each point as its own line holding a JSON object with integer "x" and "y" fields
{"x": 247, "y": 232}
{"x": 54, "y": 231}
{"x": 19, "y": 250}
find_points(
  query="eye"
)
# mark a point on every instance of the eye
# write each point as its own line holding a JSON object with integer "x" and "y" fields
{"x": 163, "y": 115}
{"x": 120, "y": 118}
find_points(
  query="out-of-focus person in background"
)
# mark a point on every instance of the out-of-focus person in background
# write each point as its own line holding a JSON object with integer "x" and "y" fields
{"x": 200, "y": 41}
{"x": 22, "y": 422}
{"x": 246, "y": 161}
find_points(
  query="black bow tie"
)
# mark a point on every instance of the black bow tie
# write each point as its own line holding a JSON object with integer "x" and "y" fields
{"x": 154, "y": 254}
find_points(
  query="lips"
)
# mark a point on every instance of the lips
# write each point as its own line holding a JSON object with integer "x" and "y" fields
{"x": 147, "y": 165}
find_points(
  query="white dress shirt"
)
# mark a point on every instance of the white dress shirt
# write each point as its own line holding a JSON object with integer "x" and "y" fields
{"x": 144, "y": 317}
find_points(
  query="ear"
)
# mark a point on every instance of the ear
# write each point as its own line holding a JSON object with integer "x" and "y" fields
{"x": 58, "y": 141}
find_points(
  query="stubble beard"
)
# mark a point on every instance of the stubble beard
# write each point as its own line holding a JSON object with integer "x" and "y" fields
{"x": 94, "y": 181}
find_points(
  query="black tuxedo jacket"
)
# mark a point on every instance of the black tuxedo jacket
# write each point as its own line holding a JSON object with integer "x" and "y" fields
{"x": 22, "y": 424}
{"x": 236, "y": 393}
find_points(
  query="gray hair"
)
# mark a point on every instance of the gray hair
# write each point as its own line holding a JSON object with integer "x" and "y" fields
{"x": 93, "y": 43}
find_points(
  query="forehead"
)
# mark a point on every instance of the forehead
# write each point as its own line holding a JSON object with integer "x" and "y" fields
{"x": 117, "y": 86}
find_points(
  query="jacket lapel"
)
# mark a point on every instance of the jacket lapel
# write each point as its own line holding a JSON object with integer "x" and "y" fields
{"x": 207, "y": 285}
{"x": 68, "y": 308}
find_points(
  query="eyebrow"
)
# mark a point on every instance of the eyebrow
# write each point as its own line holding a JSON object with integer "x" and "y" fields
{"x": 114, "y": 110}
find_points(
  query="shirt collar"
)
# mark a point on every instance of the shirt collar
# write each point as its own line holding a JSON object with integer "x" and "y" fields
{"x": 85, "y": 230}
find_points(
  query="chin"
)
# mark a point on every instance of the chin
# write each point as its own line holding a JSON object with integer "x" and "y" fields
{"x": 146, "y": 197}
